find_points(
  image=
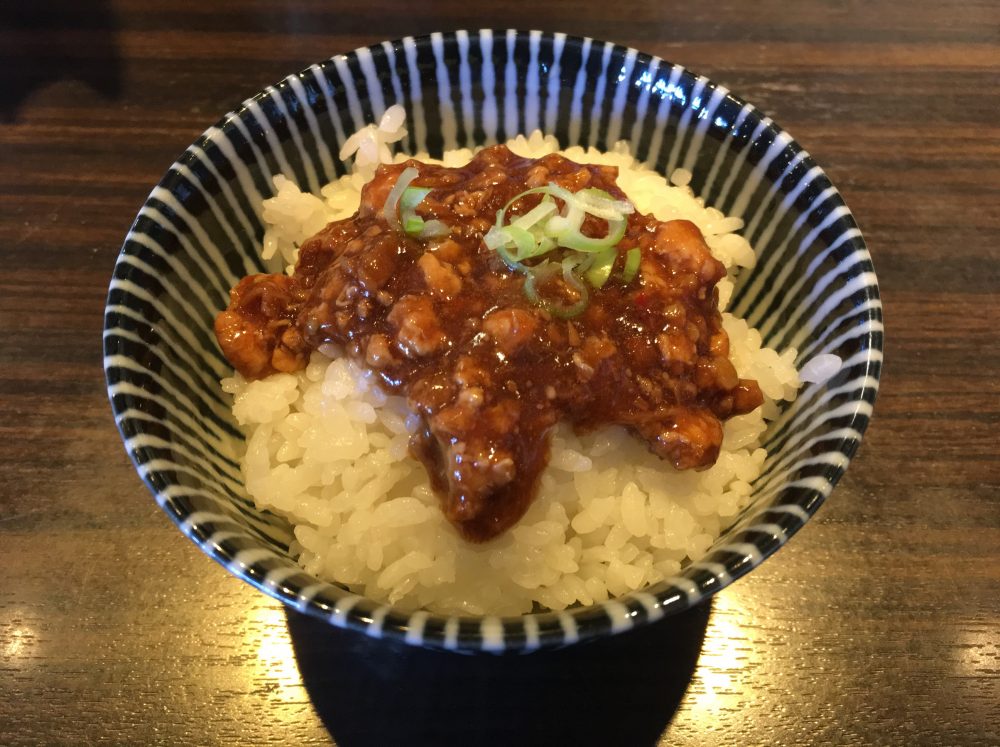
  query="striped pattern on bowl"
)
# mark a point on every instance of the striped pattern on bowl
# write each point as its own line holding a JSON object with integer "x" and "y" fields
{"x": 199, "y": 232}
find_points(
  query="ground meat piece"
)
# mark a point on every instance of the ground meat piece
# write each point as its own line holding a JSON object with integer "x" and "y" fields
{"x": 377, "y": 352}
{"x": 686, "y": 437}
{"x": 419, "y": 331}
{"x": 511, "y": 328}
{"x": 676, "y": 347}
{"x": 256, "y": 333}
{"x": 446, "y": 323}
{"x": 441, "y": 278}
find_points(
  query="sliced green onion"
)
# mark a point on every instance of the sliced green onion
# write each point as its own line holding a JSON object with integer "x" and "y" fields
{"x": 570, "y": 263}
{"x": 546, "y": 227}
{"x": 434, "y": 229}
{"x": 413, "y": 225}
{"x": 509, "y": 259}
{"x": 391, "y": 209}
{"x": 538, "y": 247}
{"x": 523, "y": 240}
{"x": 411, "y": 197}
{"x": 601, "y": 204}
{"x": 530, "y": 290}
{"x": 570, "y": 221}
{"x": 600, "y": 267}
{"x": 576, "y": 240}
{"x": 400, "y": 205}
{"x": 538, "y": 274}
{"x": 525, "y": 244}
{"x": 533, "y": 276}
{"x": 533, "y": 191}
{"x": 541, "y": 210}
{"x": 597, "y": 194}
{"x": 495, "y": 238}
{"x": 560, "y": 310}
{"x": 632, "y": 257}
{"x": 563, "y": 311}
{"x": 597, "y": 202}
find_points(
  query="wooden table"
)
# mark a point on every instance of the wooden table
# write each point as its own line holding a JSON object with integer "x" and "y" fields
{"x": 877, "y": 625}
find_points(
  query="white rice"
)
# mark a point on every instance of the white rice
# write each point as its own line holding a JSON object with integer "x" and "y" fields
{"x": 328, "y": 449}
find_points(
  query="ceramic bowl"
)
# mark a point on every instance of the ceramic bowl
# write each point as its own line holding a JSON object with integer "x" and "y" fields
{"x": 200, "y": 230}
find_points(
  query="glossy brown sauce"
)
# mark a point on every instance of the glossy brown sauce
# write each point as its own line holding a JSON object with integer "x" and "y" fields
{"x": 445, "y": 323}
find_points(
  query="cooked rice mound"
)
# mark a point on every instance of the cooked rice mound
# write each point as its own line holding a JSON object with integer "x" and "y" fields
{"x": 327, "y": 448}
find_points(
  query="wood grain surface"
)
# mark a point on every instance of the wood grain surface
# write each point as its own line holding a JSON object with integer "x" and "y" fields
{"x": 878, "y": 624}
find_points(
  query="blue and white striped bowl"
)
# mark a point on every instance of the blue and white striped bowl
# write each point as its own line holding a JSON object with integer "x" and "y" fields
{"x": 200, "y": 230}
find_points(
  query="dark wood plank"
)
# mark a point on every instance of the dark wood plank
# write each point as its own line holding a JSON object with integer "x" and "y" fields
{"x": 877, "y": 625}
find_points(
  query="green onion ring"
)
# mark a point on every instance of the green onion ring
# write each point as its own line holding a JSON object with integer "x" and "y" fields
{"x": 560, "y": 311}
{"x": 632, "y": 257}
{"x": 599, "y": 269}
{"x": 542, "y": 229}
{"x": 390, "y": 210}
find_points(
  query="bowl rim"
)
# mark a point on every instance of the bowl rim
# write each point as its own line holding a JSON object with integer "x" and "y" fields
{"x": 281, "y": 579}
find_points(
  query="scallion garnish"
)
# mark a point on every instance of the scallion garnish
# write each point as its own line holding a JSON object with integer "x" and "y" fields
{"x": 411, "y": 197}
{"x": 434, "y": 229}
{"x": 547, "y": 227}
{"x": 413, "y": 225}
{"x": 600, "y": 267}
{"x": 574, "y": 239}
{"x": 542, "y": 210}
{"x": 632, "y": 257}
{"x": 391, "y": 209}
{"x": 541, "y": 273}
{"x": 400, "y": 209}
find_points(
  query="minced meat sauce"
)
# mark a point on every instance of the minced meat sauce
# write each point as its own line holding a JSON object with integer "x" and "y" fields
{"x": 445, "y": 323}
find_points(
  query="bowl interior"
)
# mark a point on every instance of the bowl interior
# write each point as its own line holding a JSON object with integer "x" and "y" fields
{"x": 199, "y": 232}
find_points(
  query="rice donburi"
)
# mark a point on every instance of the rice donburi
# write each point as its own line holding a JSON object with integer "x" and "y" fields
{"x": 501, "y": 314}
